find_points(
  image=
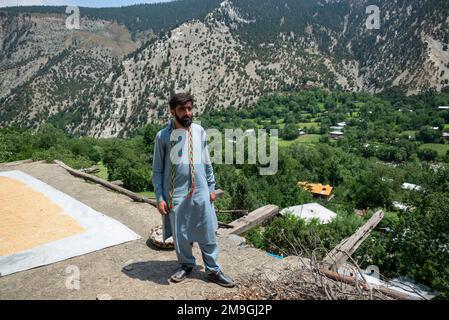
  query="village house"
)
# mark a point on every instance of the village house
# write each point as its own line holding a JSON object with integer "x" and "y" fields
{"x": 318, "y": 190}
{"x": 411, "y": 187}
{"x": 336, "y": 134}
{"x": 337, "y": 128}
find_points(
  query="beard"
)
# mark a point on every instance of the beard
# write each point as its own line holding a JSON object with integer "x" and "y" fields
{"x": 186, "y": 121}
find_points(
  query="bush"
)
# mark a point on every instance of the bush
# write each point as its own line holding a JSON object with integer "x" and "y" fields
{"x": 57, "y": 153}
{"x": 136, "y": 177}
{"x": 48, "y": 136}
{"x": 427, "y": 154}
{"x": 288, "y": 235}
{"x": 289, "y": 132}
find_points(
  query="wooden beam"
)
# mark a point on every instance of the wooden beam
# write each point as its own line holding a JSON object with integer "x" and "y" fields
{"x": 18, "y": 163}
{"x": 338, "y": 256}
{"x": 132, "y": 195}
{"x": 253, "y": 219}
{"x": 219, "y": 193}
{"x": 233, "y": 211}
{"x": 91, "y": 170}
{"x": 224, "y": 225}
{"x": 119, "y": 183}
{"x": 383, "y": 289}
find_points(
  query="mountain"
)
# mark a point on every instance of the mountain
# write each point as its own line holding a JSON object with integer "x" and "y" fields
{"x": 117, "y": 72}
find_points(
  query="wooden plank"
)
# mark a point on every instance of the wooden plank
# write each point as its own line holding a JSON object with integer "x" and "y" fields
{"x": 351, "y": 280}
{"x": 132, "y": 195}
{"x": 119, "y": 183}
{"x": 253, "y": 219}
{"x": 233, "y": 211}
{"x": 93, "y": 169}
{"x": 219, "y": 193}
{"x": 224, "y": 225}
{"x": 338, "y": 256}
{"x": 18, "y": 163}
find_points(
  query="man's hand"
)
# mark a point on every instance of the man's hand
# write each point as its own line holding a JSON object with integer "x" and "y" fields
{"x": 212, "y": 196}
{"x": 162, "y": 207}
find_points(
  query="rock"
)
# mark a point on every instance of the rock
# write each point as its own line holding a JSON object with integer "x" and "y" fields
{"x": 237, "y": 240}
{"x": 104, "y": 296}
{"x": 128, "y": 266}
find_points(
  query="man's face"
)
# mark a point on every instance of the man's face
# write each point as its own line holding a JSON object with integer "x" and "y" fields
{"x": 183, "y": 114}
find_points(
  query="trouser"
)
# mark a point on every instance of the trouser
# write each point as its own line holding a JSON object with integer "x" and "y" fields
{"x": 209, "y": 253}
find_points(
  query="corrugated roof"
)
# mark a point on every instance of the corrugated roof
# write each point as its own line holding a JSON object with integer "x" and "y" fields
{"x": 316, "y": 188}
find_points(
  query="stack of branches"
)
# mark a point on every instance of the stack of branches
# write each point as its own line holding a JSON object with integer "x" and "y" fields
{"x": 300, "y": 277}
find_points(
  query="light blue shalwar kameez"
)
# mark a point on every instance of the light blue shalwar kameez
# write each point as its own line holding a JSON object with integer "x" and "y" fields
{"x": 192, "y": 219}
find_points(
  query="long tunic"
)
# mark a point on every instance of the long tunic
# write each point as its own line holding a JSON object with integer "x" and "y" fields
{"x": 192, "y": 219}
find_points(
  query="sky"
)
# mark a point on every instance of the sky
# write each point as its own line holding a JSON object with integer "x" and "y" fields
{"x": 81, "y": 3}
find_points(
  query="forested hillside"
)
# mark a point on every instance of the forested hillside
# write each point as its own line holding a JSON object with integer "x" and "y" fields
{"x": 127, "y": 61}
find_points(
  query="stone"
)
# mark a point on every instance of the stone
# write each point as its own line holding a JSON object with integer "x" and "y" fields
{"x": 128, "y": 266}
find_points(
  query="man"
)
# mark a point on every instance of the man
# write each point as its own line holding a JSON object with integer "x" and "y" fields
{"x": 184, "y": 184}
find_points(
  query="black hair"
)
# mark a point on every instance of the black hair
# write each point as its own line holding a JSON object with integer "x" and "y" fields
{"x": 180, "y": 99}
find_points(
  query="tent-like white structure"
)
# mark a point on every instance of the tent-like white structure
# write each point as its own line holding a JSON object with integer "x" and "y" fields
{"x": 309, "y": 211}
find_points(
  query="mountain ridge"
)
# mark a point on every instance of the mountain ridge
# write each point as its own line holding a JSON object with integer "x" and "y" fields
{"x": 238, "y": 51}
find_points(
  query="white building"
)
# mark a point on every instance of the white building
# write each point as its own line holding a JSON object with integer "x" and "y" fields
{"x": 336, "y": 134}
{"x": 411, "y": 186}
{"x": 400, "y": 206}
{"x": 337, "y": 128}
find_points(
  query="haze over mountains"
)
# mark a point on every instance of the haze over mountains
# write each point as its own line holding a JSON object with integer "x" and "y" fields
{"x": 117, "y": 71}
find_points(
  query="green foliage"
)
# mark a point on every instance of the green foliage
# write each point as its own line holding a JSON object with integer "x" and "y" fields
{"x": 428, "y": 135}
{"x": 427, "y": 154}
{"x": 421, "y": 242}
{"x": 289, "y": 235}
{"x": 124, "y": 158}
{"x": 124, "y": 162}
{"x": 149, "y": 134}
{"x": 371, "y": 189}
{"x": 289, "y": 132}
{"x": 157, "y": 16}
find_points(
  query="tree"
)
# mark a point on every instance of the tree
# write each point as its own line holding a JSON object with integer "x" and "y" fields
{"x": 149, "y": 134}
{"x": 48, "y": 136}
{"x": 428, "y": 135}
{"x": 427, "y": 154}
{"x": 289, "y": 132}
{"x": 421, "y": 248}
{"x": 371, "y": 190}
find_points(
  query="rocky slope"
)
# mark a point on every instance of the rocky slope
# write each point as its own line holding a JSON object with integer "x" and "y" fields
{"x": 99, "y": 81}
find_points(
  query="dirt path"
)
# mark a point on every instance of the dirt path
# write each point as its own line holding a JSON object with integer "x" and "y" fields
{"x": 132, "y": 270}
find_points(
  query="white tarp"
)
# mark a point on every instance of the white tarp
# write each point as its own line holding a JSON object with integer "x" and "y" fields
{"x": 401, "y": 285}
{"x": 310, "y": 211}
{"x": 101, "y": 231}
